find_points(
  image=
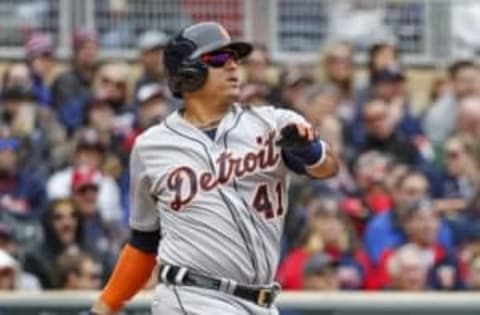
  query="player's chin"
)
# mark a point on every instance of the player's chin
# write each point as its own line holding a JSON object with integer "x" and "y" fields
{"x": 232, "y": 93}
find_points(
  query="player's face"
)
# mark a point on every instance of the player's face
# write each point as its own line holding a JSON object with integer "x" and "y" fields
{"x": 223, "y": 78}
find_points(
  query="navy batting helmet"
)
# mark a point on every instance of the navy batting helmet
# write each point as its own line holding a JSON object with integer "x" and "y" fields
{"x": 185, "y": 72}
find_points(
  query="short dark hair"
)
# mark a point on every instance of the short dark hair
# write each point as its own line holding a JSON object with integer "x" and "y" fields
{"x": 375, "y": 49}
{"x": 68, "y": 263}
{"x": 412, "y": 173}
{"x": 460, "y": 65}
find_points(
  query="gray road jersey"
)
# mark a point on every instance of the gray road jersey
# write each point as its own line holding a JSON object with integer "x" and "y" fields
{"x": 220, "y": 204}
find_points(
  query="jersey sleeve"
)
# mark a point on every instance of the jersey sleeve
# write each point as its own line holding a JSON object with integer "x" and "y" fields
{"x": 143, "y": 211}
{"x": 284, "y": 117}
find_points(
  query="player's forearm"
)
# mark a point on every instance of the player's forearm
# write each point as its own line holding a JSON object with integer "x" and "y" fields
{"x": 326, "y": 168}
{"x": 132, "y": 271}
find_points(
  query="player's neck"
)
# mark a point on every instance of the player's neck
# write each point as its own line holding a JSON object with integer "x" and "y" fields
{"x": 204, "y": 116}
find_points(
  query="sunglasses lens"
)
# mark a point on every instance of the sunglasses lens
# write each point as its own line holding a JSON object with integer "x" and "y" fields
{"x": 218, "y": 59}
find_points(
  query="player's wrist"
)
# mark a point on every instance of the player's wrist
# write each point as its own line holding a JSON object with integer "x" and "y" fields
{"x": 312, "y": 154}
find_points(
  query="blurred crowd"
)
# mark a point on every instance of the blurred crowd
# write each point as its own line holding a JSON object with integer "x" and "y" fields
{"x": 402, "y": 214}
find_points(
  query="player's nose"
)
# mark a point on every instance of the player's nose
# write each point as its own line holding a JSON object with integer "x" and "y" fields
{"x": 231, "y": 64}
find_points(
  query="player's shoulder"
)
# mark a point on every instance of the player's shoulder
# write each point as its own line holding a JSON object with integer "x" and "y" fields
{"x": 150, "y": 134}
{"x": 271, "y": 112}
{"x": 154, "y": 135}
{"x": 266, "y": 109}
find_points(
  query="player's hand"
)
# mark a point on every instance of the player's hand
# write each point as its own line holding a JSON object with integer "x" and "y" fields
{"x": 296, "y": 136}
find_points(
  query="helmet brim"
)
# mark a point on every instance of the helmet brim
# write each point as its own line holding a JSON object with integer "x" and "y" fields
{"x": 243, "y": 49}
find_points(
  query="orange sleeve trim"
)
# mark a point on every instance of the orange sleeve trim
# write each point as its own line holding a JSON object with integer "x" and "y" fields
{"x": 131, "y": 272}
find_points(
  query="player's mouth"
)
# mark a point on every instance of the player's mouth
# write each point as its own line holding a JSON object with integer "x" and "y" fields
{"x": 234, "y": 81}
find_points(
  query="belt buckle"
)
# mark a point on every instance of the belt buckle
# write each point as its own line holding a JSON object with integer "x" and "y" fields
{"x": 263, "y": 296}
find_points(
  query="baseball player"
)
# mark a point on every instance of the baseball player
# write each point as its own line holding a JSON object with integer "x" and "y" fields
{"x": 209, "y": 188}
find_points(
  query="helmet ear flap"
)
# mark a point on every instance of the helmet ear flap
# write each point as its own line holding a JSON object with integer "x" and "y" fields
{"x": 192, "y": 75}
{"x": 183, "y": 73}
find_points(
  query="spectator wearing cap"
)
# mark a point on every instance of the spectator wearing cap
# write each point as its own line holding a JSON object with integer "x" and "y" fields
{"x": 105, "y": 238}
{"x": 381, "y": 55}
{"x": 440, "y": 119}
{"x": 90, "y": 150}
{"x": 12, "y": 278}
{"x": 387, "y": 85}
{"x": 73, "y": 85}
{"x": 39, "y": 53}
{"x": 292, "y": 87}
{"x": 421, "y": 223}
{"x": 150, "y": 46}
{"x": 153, "y": 105}
{"x": 152, "y": 109}
{"x": 320, "y": 274}
{"x": 22, "y": 193}
{"x": 385, "y": 230}
{"x": 382, "y": 135}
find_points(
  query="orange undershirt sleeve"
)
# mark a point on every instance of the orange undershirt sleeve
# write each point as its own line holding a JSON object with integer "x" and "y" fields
{"x": 131, "y": 272}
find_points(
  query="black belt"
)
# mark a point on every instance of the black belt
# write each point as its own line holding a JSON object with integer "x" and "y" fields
{"x": 262, "y": 296}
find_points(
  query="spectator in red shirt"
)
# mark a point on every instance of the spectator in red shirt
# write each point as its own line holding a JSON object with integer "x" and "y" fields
{"x": 329, "y": 232}
{"x": 320, "y": 274}
{"x": 407, "y": 269}
{"x": 385, "y": 230}
{"x": 421, "y": 224}
{"x": 290, "y": 270}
